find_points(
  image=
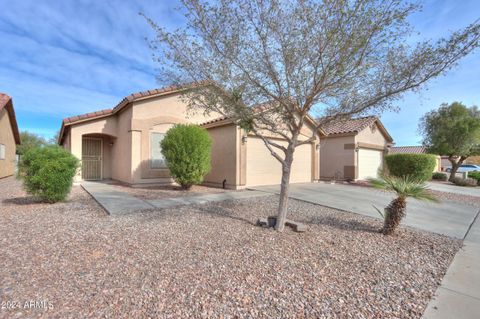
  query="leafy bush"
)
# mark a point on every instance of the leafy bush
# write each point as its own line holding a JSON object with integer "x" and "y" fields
{"x": 439, "y": 176}
{"x": 418, "y": 166}
{"x": 464, "y": 181}
{"x": 48, "y": 172}
{"x": 187, "y": 150}
{"x": 475, "y": 175}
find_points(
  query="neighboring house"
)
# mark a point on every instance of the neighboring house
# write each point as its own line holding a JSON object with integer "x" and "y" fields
{"x": 470, "y": 160}
{"x": 9, "y": 136}
{"x": 416, "y": 150}
{"x": 123, "y": 144}
{"x": 353, "y": 149}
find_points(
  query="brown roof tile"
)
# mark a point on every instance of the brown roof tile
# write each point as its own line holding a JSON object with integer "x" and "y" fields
{"x": 130, "y": 98}
{"x": 349, "y": 126}
{"x": 126, "y": 101}
{"x": 218, "y": 119}
{"x": 408, "y": 149}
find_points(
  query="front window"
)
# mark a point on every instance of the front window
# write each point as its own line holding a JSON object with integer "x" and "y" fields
{"x": 157, "y": 160}
{"x": 2, "y": 151}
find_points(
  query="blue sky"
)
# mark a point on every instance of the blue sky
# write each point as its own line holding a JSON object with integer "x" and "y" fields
{"x": 62, "y": 58}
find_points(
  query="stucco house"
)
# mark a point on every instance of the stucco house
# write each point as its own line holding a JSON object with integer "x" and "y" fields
{"x": 123, "y": 144}
{"x": 416, "y": 150}
{"x": 9, "y": 136}
{"x": 353, "y": 149}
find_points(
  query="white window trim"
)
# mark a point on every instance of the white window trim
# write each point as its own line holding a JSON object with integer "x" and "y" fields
{"x": 3, "y": 150}
{"x": 151, "y": 155}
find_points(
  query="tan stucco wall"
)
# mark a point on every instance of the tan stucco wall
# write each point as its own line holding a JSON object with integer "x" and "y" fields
{"x": 338, "y": 155}
{"x": 128, "y": 159}
{"x": 335, "y": 154}
{"x": 116, "y": 135}
{"x": 307, "y": 132}
{"x": 7, "y": 166}
{"x": 157, "y": 115}
{"x": 374, "y": 137}
{"x": 225, "y": 150}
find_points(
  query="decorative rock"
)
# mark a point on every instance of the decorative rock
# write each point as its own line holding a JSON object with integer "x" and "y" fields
{"x": 270, "y": 221}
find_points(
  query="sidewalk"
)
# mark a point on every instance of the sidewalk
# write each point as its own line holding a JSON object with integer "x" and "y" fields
{"x": 114, "y": 202}
{"x": 459, "y": 293}
{"x": 117, "y": 203}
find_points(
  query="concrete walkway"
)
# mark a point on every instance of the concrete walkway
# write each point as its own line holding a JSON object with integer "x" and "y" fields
{"x": 202, "y": 199}
{"x": 114, "y": 202}
{"x": 459, "y": 293}
{"x": 446, "y": 218}
{"x": 117, "y": 203}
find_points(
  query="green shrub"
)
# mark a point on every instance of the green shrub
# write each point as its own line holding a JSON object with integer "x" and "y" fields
{"x": 439, "y": 176}
{"x": 418, "y": 166}
{"x": 464, "y": 181}
{"x": 48, "y": 172}
{"x": 187, "y": 150}
{"x": 475, "y": 175}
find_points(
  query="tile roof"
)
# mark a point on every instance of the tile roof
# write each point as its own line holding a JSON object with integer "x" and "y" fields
{"x": 125, "y": 102}
{"x": 151, "y": 93}
{"x": 128, "y": 99}
{"x": 87, "y": 116}
{"x": 218, "y": 119}
{"x": 349, "y": 126}
{"x": 6, "y": 102}
{"x": 408, "y": 149}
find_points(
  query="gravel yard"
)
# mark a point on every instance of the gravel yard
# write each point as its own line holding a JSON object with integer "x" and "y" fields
{"x": 167, "y": 191}
{"x": 210, "y": 261}
{"x": 465, "y": 199}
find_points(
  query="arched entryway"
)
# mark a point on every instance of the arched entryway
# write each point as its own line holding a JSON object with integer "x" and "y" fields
{"x": 96, "y": 156}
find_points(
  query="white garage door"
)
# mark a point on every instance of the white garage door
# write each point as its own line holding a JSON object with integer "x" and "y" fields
{"x": 369, "y": 162}
{"x": 264, "y": 169}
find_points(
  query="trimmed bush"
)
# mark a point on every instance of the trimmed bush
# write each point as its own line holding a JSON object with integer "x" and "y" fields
{"x": 187, "y": 150}
{"x": 418, "y": 166}
{"x": 464, "y": 181}
{"x": 48, "y": 172}
{"x": 475, "y": 175}
{"x": 439, "y": 176}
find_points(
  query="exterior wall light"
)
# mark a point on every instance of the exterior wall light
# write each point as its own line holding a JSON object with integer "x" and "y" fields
{"x": 244, "y": 139}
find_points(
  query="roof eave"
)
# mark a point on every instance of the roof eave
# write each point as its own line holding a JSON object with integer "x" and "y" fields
{"x": 13, "y": 120}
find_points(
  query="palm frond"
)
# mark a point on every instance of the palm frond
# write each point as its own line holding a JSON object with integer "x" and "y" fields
{"x": 407, "y": 186}
{"x": 379, "y": 211}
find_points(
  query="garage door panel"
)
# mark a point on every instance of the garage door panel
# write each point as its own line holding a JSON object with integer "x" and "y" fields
{"x": 264, "y": 169}
{"x": 369, "y": 163}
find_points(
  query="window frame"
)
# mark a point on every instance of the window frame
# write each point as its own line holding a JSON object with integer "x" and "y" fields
{"x": 152, "y": 165}
{"x": 3, "y": 151}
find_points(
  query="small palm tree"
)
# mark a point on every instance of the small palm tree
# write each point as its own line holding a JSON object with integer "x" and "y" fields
{"x": 403, "y": 187}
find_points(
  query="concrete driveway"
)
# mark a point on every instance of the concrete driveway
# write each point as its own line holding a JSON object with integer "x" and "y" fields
{"x": 450, "y": 188}
{"x": 446, "y": 218}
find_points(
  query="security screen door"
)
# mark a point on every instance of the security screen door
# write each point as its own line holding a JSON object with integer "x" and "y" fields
{"x": 92, "y": 158}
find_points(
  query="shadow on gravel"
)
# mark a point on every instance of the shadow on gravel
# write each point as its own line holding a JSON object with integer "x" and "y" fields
{"x": 351, "y": 225}
{"x": 219, "y": 211}
{"x": 23, "y": 200}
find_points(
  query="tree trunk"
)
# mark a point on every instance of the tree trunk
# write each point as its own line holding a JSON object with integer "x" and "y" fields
{"x": 284, "y": 190}
{"x": 394, "y": 213}
{"x": 455, "y": 165}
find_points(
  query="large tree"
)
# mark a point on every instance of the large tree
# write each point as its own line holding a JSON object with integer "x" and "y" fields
{"x": 331, "y": 58}
{"x": 452, "y": 130}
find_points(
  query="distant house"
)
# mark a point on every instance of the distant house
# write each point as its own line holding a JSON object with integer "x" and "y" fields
{"x": 123, "y": 143}
{"x": 353, "y": 149}
{"x": 9, "y": 136}
{"x": 416, "y": 150}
